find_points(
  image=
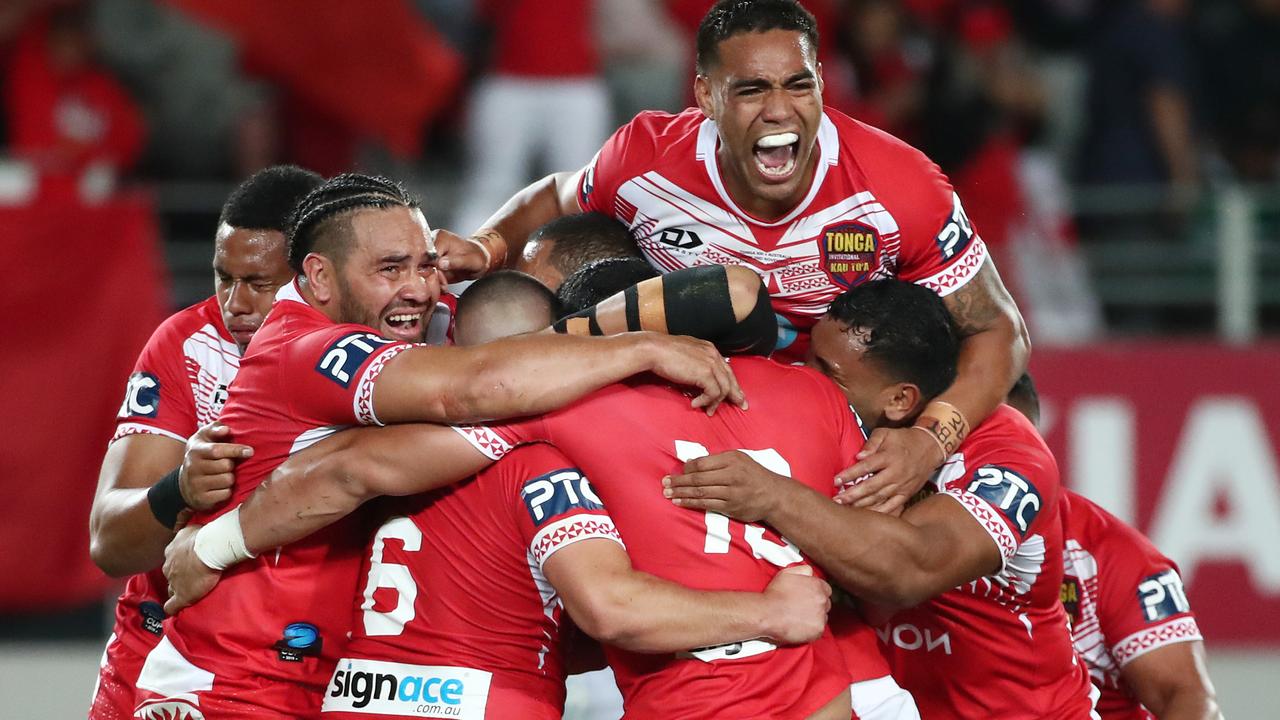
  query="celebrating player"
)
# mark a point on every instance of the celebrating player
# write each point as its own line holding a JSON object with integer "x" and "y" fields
{"x": 760, "y": 175}
{"x": 337, "y": 350}
{"x": 1130, "y": 619}
{"x": 179, "y": 383}
{"x": 975, "y": 567}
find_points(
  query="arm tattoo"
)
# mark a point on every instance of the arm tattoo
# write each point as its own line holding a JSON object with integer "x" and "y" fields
{"x": 980, "y": 303}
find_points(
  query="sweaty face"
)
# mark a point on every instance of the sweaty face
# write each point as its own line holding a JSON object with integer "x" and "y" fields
{"x": 840, "y": 354}
{"x": 765, "y": 94}
{"x": 248, "y": 267}
{"x": 389, "y": 280}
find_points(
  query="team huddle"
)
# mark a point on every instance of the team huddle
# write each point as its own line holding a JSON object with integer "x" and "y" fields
{"x": 724, "y": 410}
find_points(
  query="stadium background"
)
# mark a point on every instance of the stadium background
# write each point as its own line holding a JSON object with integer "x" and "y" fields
{"x": 1122, "y": 158}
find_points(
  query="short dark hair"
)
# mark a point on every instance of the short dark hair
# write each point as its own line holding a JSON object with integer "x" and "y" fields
{"x": 319, "y": 222}
{"x": 583, "y": 238}
{"x": 506, "y": 286}
{"x": 906, "y": 329}
{"x": 1024, "y": 398}
{"x": 601, "y": 279}
{"x": 266, "y": 200}
{"x": 732, "y": 17}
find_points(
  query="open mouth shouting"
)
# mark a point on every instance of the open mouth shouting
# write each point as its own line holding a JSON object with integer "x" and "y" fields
{"x": 775, "y": 156}
{"x": 405, "y": 324}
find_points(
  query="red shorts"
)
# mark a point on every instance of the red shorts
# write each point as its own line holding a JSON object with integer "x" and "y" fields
{"x": 114, "y": 694}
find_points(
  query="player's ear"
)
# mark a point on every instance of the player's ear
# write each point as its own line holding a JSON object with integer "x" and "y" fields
{"x": 821, "y": 83}
{"x": 904, "y": 403}
{"x": 702, "y": 95}
{"x": 319, "y": 273}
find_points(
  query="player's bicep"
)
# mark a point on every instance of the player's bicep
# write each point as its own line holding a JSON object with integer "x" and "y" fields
{"x": 570, "y": 187}
{"x": 582, "y": 571}
{"x": 983, "y": 303}
{"x": 958, "y": 548}
{"x": 1173, "y": 673}
{"x": 139, "y": 460}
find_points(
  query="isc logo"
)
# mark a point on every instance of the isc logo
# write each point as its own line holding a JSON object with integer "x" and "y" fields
{"x": 1162, "y": 596}
{"x": 553, "y": 494}
{"x": 1010, "y": 492}
{"x": 346, "y": 356}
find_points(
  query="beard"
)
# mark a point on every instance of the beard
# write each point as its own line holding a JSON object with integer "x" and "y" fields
{"x": 349, "y": 310}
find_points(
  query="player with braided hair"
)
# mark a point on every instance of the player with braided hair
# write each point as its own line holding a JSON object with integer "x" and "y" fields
{"x": 340, "y": 348}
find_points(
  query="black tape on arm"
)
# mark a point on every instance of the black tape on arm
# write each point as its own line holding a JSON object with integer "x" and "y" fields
{"x": 699, "y": 303}
{"x": 165, "y": 499}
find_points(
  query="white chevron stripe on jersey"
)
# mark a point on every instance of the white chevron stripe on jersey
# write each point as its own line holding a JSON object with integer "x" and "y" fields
{"x": 692, "y": 207}
{"x": 862, "y": 207}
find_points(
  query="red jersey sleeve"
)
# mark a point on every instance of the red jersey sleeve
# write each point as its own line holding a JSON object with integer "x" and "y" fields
{"x": 1005, "y": 498}
{"x": 940, "y": 248}
{"x": 1141, "y": 605}
{"x": 157, "y": 397}
{"x": 497, "y": 439}
{"x": 632, "y": 145}
{"x": 554, "y": 503}
{"x": 329, "y": 374}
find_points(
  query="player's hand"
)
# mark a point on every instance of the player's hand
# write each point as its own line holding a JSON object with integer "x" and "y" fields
{"x": 189, "y": 578}
{"x": 457, "y": 257}
{"x": 730, "y": 483}
{"x": 892, "y": 467}
{"x": 801, "y": 603}
{"x": 694, "y": 363}
{"x": 208, "y": 467}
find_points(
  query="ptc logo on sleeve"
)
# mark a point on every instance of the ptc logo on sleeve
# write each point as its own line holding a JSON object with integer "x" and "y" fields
{"x": 549, "y": 496}
{"x": 374, "y": 687}
{"x": 141, "y": 396}
{"x": 1162, "y": 596}
{"x": 346, "y": 354}
{"x": 1010, "y": 493}
{"x": 956, "y": 234}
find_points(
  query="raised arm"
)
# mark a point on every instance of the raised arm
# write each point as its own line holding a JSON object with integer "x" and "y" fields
{"x": 633, "y": 610}
{"x": 532, "y": 374}
{"x": 728, "y": 306}
{"x": 503, "y": 236}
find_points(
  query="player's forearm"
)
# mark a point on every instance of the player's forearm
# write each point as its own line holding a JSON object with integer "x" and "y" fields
{"x": 728, "y": 306}
{"x": 300, "y": 498}
{"x": 124, "y": 536}
{"x": 876, "y": 557}
{"x": 514, "y": 377}
{"x": 1191, "y": 703}
{"x": 642, "y": 613}
{"x": 536, "y": 205}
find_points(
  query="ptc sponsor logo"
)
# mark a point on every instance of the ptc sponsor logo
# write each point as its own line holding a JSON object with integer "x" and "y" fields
{"x": 910, "y": 637}
{"x": 556, "y": 493}
{"x": 375, "y": 687}
{"x": 850, "y": 252}
{"x": 956, "y": 233}
{"x": 301, "y": 639}
{"x": 1015, "y": 497}
{"x": 346, "y": 354}
{"x": 1162, "y": 596}
{"x": 141, "y": 396}
{"x": 152, "y": 614}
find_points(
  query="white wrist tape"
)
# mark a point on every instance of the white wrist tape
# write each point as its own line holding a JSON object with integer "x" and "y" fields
{"x": 220, "y": 544}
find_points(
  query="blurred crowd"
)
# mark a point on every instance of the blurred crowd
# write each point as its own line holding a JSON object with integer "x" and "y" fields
{"x": 1016, "y": 100}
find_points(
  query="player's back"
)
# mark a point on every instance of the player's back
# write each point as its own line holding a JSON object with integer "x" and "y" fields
{"x": 455, "y": 592}
{"x": 626, "y": 438}
{"x": 1124, "y": 598}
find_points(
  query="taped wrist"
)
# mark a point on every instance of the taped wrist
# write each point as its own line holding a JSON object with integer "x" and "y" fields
{"x": 493, "y": 245}
{"x": 165, "y": 499}
{"x": 220, "y": 544}
{"x": 946, "y": 424}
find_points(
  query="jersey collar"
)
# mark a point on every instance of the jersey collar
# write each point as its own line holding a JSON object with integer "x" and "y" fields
{"x": 828, "y": 155}
{"x": 291, "y": 292}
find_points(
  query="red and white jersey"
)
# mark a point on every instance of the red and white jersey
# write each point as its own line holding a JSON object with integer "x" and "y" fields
{"x": 799, "y": 425}
{"x": 178, "y": 384}
{"x": 1124, "y": 599}
{"x": 999, "y": 646}
{"x": 269, "y": 633}
{"x": 876, "y": 208}
{"x": 454, "y": 591}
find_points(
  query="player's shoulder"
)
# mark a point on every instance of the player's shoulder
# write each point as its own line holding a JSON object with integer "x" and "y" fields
{"x": 178, "y": 327}
{"x": 894, "y": 167}
{"x": 1008, "y": 440}
{"x": 1114, "y": 543}
{"x": 653, "y": 135}
{"x": 530, "y": 461}
{"x": 795, "y": 386}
